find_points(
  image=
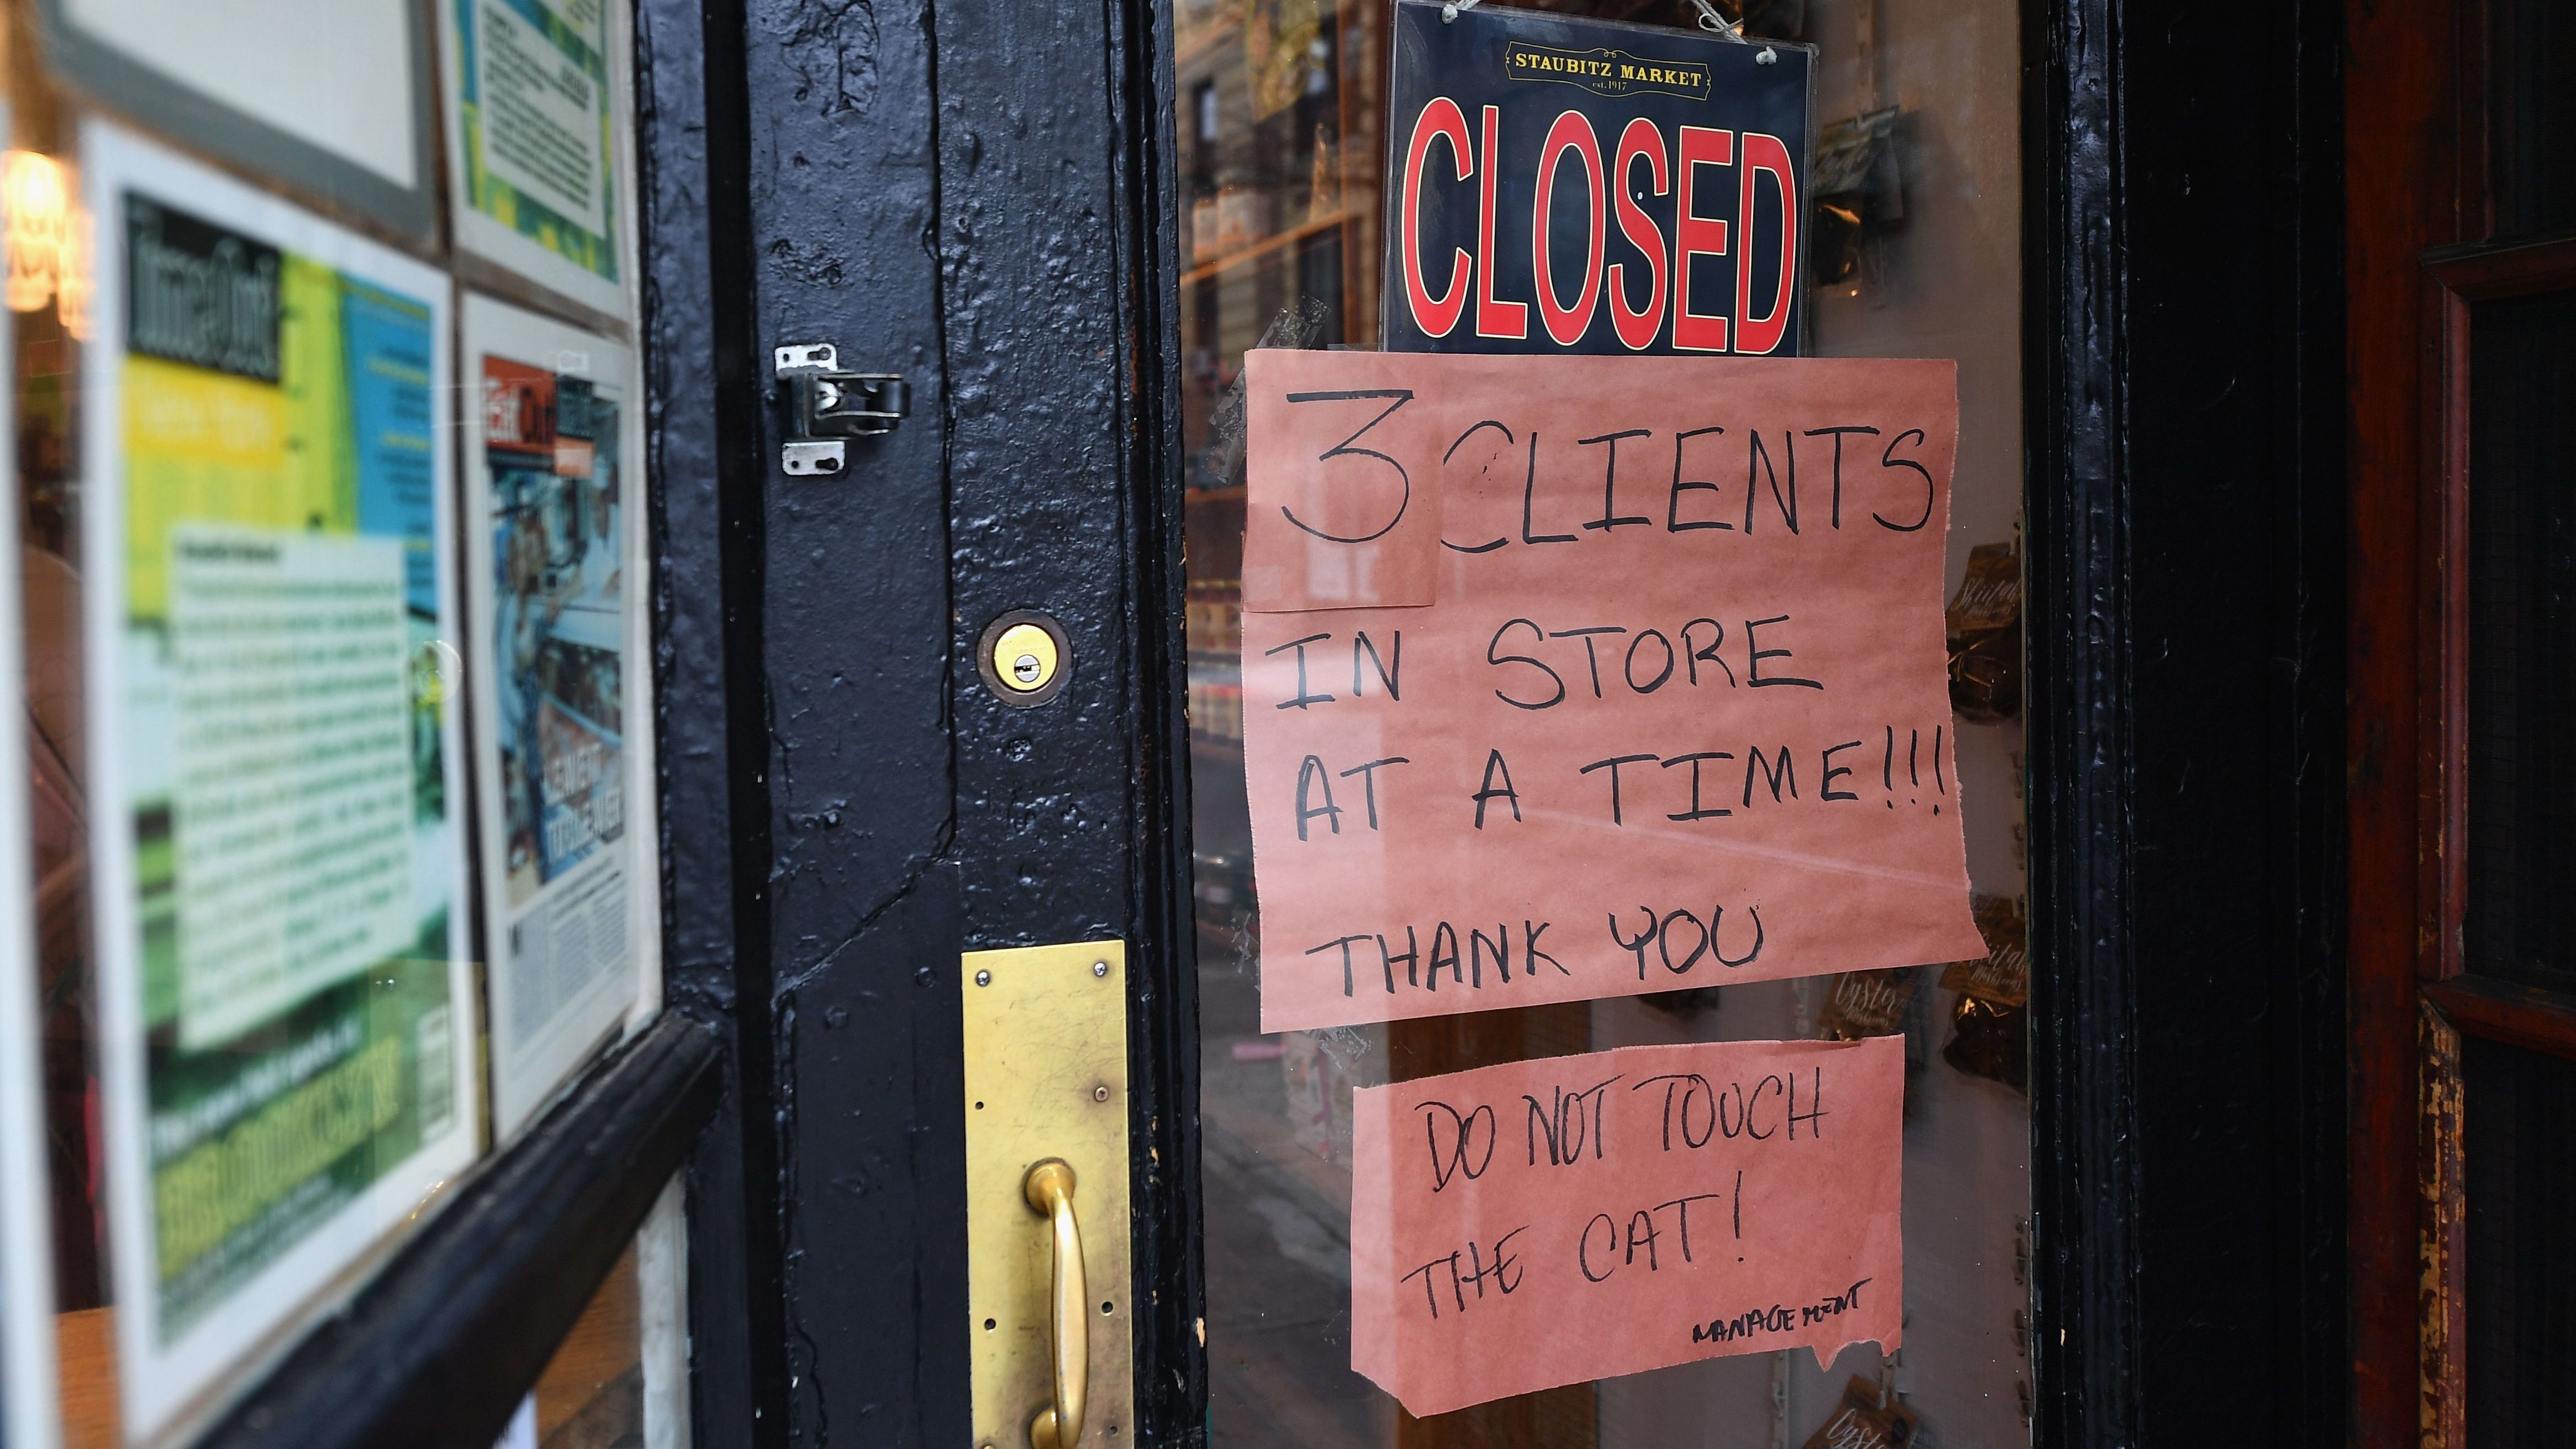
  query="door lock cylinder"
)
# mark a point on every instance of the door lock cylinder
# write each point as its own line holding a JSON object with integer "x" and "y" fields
{"x": 1023, "y": 656}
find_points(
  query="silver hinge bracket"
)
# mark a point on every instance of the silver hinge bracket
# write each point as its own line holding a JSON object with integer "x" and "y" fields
{"x": 826, "y": 407}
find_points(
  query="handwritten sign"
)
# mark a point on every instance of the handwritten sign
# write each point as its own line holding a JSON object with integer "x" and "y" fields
{"x": 1579, "y": 677}
{"x": 1548, "y": 1222}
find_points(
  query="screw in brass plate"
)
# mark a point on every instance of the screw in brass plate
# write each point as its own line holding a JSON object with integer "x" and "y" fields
{"x": 1100, "y": 1094}
{"x": 1100, "y": 969}
{"x": 983, "y": 978}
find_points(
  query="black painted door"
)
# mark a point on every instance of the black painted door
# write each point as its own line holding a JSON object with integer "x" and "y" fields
{"x": 962, "y": 193}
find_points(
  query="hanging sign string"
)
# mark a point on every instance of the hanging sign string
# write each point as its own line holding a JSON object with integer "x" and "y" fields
{"x": 1709, "y": 19}
{"x": 1712, "y": 20}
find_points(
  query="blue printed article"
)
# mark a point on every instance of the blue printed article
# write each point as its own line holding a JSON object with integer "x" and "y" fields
{"x": 389, "y": 428}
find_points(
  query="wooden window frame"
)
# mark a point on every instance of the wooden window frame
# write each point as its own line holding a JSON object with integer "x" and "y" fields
{"x": 2419, "y": 219}
{"x": 2456, "y": 1003}
{"x": 2404, "y": 190}
{"x": 2455, "y": 280}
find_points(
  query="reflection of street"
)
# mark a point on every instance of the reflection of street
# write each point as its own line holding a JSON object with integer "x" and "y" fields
{"x": 1278, "y": 1248}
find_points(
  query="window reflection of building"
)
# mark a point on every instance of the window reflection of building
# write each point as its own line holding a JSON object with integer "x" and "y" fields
{"x": 47, "y": 239}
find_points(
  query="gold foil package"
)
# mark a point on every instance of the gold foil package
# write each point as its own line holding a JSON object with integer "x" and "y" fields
{"x": 2002, "y": 975}
{"x": 1990, "y": 1041}
{"x": 1866, "y": 1420}
{"x": 1866, "y": 1003}
{"x": 1984, "y": 626}
{"x": 1990, "y": 1023}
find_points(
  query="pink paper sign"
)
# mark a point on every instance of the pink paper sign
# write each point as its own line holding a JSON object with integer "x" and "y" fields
{"x": 1677, "y": 711}
{"x": 1549, "y": 1222}
{"x": 1368, "y": 510}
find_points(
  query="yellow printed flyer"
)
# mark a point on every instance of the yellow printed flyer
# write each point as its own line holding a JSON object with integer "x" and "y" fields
{"x": 286, "y": 1020}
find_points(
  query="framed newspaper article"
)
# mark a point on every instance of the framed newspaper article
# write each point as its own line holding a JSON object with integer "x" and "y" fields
{"x": 555, "y": 571}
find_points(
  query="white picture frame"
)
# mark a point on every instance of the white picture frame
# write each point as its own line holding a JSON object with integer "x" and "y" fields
{"x": 330, "y": 96}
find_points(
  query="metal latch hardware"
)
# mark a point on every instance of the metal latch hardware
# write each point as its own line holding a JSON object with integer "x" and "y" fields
{"x": 826, "y": 405}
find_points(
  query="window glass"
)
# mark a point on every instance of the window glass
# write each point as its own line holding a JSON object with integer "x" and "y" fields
{"x": 27, "y": 1412}
{"x": 48, "y": 322}
{"x": 2520, "y": 925}
{"x": 262, "y": 1064}
{"x": 1914, "y": 252}
{"x": 619, "y": 1379}
{"x": 2531, "y": 119}
{"x": 2521, "y": 1279}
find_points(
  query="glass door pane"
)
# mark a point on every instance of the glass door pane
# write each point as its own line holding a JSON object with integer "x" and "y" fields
{"x": 1915, "y": 254}
{"x": 2519, "y": 930}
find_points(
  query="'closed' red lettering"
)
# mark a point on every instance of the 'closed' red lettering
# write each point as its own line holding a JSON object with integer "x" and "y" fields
{"x": 1764, "y": 155}
{"x": 1571, "y": 132}
{"x": 1641, "y": 140}
{"x": 1697, "y": 236}
{"x": 1440, "y": 120}
{"x": 1495, "y": 317}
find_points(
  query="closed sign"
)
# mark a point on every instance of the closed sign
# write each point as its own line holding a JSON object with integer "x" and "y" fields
{"x": 1560, "y": 184}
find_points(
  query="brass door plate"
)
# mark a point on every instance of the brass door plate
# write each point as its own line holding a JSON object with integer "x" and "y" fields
{"x": 1046, "y": 1076}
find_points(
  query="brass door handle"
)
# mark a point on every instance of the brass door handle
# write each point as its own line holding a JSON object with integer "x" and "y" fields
{"x": 1045, "y": 1102}
{"x": 1059, "y": 1425}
